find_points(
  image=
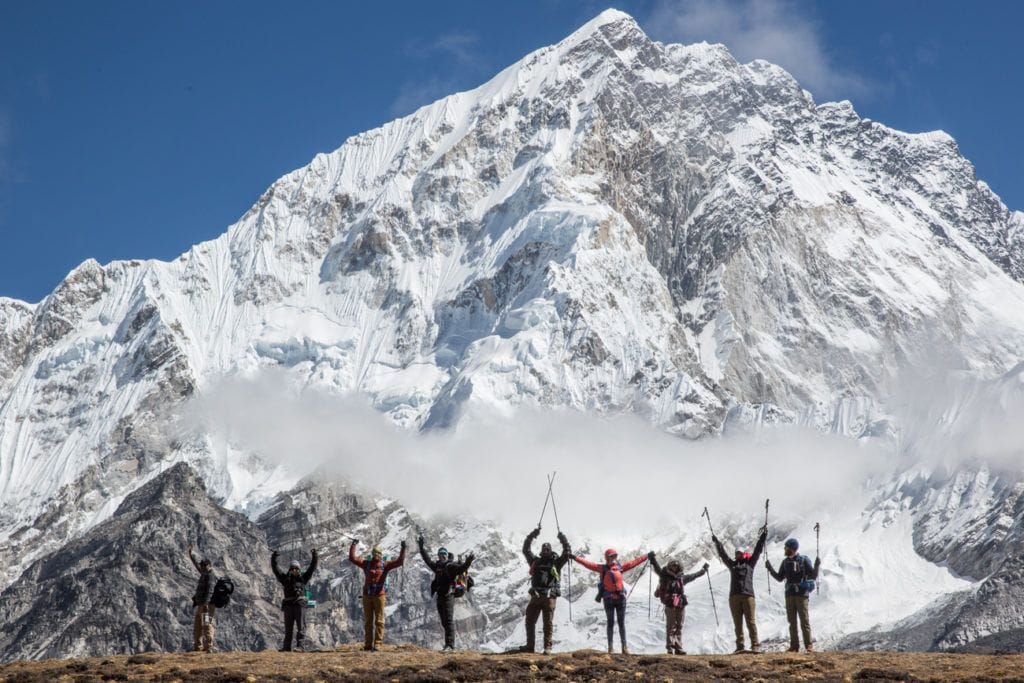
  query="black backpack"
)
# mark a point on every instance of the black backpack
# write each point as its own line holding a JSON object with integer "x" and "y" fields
{"x": 222, "y": 592}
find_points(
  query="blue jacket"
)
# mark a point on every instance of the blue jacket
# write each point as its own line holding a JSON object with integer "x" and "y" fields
{"x": 794, "y": 570}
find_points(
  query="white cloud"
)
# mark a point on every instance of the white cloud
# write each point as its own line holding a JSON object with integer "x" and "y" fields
{"x": 779, "y": 31}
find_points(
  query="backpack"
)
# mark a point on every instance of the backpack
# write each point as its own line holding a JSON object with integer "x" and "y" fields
{"x": 670, "y": 591}
{"x": 550, "y": 579}
{"x": 222, "y": 591}
{"x": 377, "y": 588}
{"x": 601, "y": 594}
{"x": 804, "y": 586}
{"x": 462, "y": 585}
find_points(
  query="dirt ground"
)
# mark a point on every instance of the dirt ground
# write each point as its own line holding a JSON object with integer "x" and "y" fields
{"x": 409, "y": 663}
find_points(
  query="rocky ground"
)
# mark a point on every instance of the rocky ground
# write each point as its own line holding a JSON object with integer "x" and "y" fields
{"x": 407, "y": 662}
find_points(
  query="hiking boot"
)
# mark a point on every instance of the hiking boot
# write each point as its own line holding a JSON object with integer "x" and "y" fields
{"x": 625, "y": 650}
{"x": 680, "y": 652}
{"x": 793, "y": 649}
{"x": 527, "y": 648}
{"x": 547, "y": 651}
{"x": 611, "y": 650}
{"x": 809, "y": 648}
{"x": 739, "y": 650}
{"x": 756, "y": 650}
{"x": 300, "y": 649}
{"x": 284, "y": 649}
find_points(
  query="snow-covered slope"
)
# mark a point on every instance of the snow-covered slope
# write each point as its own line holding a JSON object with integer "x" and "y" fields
{"x": 610, "y": 224}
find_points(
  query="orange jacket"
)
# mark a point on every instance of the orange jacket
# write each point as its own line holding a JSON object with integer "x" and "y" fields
{"x": 611, "y": 576}
{"x": 374, "y": 571}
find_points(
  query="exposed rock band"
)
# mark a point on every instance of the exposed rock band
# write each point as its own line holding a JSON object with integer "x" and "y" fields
{"x": 452, "y": 580}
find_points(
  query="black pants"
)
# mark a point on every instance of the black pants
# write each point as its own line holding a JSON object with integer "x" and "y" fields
{"x": 616, "y": 609}
{"x": 446, "y": 610}
{"x": 293, "y": 623}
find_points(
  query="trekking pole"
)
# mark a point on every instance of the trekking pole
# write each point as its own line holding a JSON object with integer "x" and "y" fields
{"x": 568, "y": 570}
{"x": 636, "y": 582}
{"x": 650, "y": 589}
{"x": 766, "y": 533}
{"x": 708, "y": 515}
{"x": 551, "y": 479}
{"x": 817, "y": 552}
{"x": 713, "y": 606}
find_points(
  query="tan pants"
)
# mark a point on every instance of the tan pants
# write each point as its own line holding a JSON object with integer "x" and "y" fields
{"x": 540, "y": 606}
{"x": 202, "y": 628}
{"x": 373, "y": 619}
{"x": 796, "y": 607}
{"x": 742, "y": 608}
{"x": 674, "y": 628}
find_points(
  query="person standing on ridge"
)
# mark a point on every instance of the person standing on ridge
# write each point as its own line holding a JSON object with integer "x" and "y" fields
{"x": 375, "y": 589}
{"x": 742, "y": 602}
{"x": 545, "y": 587}
{"x": 446, "y": 572}
{"x": 294, "y": 583}
{"x": 612, "y": 591}
{"x": 671, "y": 580}
{"x": 202, "y": 621}
{"x": 799, "y": 574}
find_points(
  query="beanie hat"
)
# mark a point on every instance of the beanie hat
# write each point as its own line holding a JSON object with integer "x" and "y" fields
{"x": 792, "y": 543}
{"x": 376, "y": 550}
{"x": 294, "y": 565}
{"x": 443, "y": 551}
{"x": 610, "y": 552}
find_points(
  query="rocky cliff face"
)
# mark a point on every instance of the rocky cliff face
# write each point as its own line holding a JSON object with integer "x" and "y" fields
{"x": 609, "y": 225}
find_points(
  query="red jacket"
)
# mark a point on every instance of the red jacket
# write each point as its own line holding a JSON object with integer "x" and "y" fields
{"x": 374, "y": 571}
{"x": 612, "y": 575}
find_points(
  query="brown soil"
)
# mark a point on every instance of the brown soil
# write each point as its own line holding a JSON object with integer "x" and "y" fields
{"x": 408, "y": 663}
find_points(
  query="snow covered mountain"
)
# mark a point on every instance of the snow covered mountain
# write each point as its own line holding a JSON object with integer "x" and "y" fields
{"x": 610, "y": 225}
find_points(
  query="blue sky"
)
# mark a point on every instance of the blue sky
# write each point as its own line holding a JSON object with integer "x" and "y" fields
{"x": 136, "y": 129}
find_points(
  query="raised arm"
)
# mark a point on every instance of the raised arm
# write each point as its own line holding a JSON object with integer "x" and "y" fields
{"x": 566, "y": 551}
{"x": 357, "y": 561}
{"x": 527, "y": 552}
{"x": 464, "y": 567}
{"x": 396, "y": 563}
{"x": 759, "y": 547}
{"x": 273, "y": 566}
{"x": 812, "y": 570}
{"x": 778, "y": 576}
{"x": 312, "y": 566}
{"x": 721, "y": 552}
{"x": 635, "y": 562}
{"x": 192, "y": 556}
{"x": 654, "y": 564}
{"x": 687, "y": 578}
{"x": 423, "y": 553}
{"x": 592, "y": 566}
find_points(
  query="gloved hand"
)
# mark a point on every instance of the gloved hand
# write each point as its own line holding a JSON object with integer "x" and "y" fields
{"x": 536, "y": 532}
{"x": 714, "y": 539}
{"x": 650, "y": 555}
{"x": 562, "y": 538}
{"x": 274, "y": 554}
{"x": 817, "y": 563}
{"x": 471, "y": 557}
{"x": 763, "y": 531}
{"x": 402, "y": 544}
{"x": 768, "y": 564}
{"x": 313, "y": 552}
{"x": 355, "y": 541}
{"x": 420, "y": 541}
{"x": 705, "y": 567}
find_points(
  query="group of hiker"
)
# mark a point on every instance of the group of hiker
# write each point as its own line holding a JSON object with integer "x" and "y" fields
{"x": 451, "y": 580}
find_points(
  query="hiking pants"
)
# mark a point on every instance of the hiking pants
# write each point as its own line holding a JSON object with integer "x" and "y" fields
{"x": 373, "y": 620}
{"x": 292, "y": 624}
{"x": 674, "y": 628}
{"x": 202, "y": 628}
{"x": 615, "y": 609}
{"x": 742, "y": 608}
{"x": 537, "y": 607}
{"x": 796, "y": 606}
{"x": 446, "y": 611}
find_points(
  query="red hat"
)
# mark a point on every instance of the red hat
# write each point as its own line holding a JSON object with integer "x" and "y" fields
{"x": 746, "y": 556}
{"x": 611, "y": 551}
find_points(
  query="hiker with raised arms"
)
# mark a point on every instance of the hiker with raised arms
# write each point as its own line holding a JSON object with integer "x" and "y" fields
{"x": 742, "y": 602}
{"x": 612, "y": 591}
{"x": 294, "y": 583}
{"x": 545, "y": 587}
{"x": 799, "y": 574}
{"x": 204, "y": 610}
{"x": 375, "y": 588}
{"x": 671, "y": 581}
{"x": 445, "y": 586}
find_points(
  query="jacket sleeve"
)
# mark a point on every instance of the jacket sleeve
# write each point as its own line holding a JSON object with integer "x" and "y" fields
{"x": 564, "y": 557}
{"x": 687, "y": 578}
{"x": 396, "y": 563}
{"x": 311, "y": 569}
{"x": 195, "y": 563}
{"x": 812, "y": 569}
{"x": 778, "y": 576}
{"x": 721, "y": 553}
{"x": 758, "y": 548}
{"x": 527, "y": 552}
{"x": 273, "y": 566}
{"x": 635, "y": 562}
{"x": 465, "y": 565}
{"x": 426, "y": 559}
{"x": 657, "y": 568}
{"x": 359, "y": 562}
{"x": 592, "y": 566}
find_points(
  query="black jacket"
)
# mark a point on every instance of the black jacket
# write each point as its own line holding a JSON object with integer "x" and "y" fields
{"x": 742, "y": 571}
{"x": 665, "y": 575}
{"x": 546, "y": 572}
{"x": 794, "y": 570}
{"x": 294, "y": 584}
{"x": 445, "y": 573}
{"x": 204, "y": 587}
